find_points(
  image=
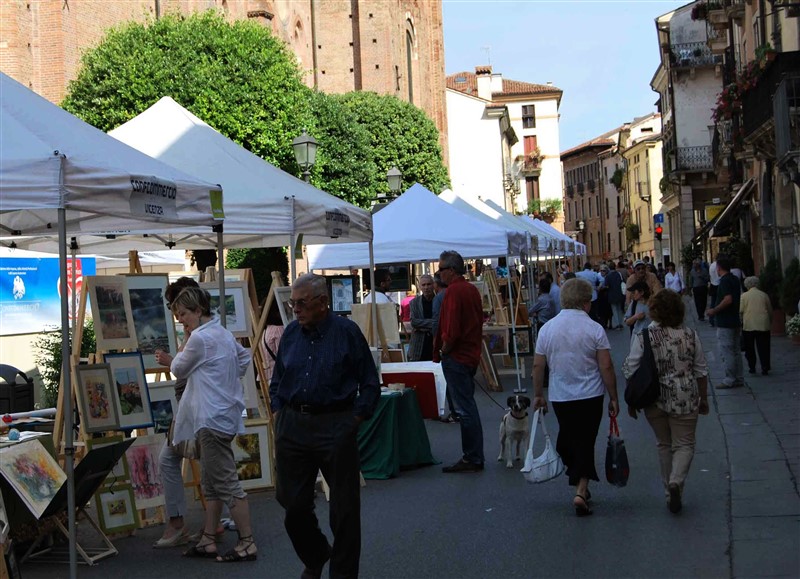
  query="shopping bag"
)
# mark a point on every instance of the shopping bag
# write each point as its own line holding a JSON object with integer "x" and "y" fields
{"x": 547, "y": 465}
{"x": 643, "y": 388}
{"x": 617, "y": 468}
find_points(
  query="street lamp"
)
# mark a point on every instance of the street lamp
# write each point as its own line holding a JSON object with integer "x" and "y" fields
{"x": 305, "y": 153}
{"x": 395, "y": 178}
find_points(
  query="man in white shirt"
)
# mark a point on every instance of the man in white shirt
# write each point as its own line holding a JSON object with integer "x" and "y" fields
{"x": 383, "y": 279}
{"x": 595, "y": 280}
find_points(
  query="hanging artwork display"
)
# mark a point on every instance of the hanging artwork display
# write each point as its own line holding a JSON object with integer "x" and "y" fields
{"x": 249, "y": 385}
{"x": 116, "y": 509}
{"x": 97, "y": 397}
{"x": 111, "y": 311}
{"x": 282, "y": 296}
{"x": 252, "y": 455}
{"x": 496, "y": 338}
{"x": 120, "y": 471}
{"x": 142, "y": 457}
{"x": 133, "y": 399}
{"x": 32, "y": 473}
{"x": 237, "y": 307}
{"x": 342, "y": 292}
{"x": 520, "y": 340}
{"x": 152, "y": 318}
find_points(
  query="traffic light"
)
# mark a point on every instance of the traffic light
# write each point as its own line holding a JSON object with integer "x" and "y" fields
{"x": 659, "y": 231}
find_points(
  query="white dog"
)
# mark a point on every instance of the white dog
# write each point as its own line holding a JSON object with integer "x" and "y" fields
{"x": 515, "y": 427}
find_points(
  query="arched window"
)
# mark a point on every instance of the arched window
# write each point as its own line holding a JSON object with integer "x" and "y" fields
{"x": 410, "y": 41}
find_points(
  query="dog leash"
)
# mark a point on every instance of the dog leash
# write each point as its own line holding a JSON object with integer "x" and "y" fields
{"x": 500, "y": 406}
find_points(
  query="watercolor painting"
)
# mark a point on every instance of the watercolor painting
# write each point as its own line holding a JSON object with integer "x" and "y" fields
{"x": 142, "y": 457}
{"x": 133, "y": 398}
{"x": 162, "y": 415}
{"x": 237, "y": 306}
{"x": 152, "y": 319}
{"x": 111, "y": 310}
{"x": 116, "y": 509}
{"x": 97, "y": 397}
{"x": 251, "y": 453}
{"x": 496, "y": 340}
{"x": 33, "y": 473}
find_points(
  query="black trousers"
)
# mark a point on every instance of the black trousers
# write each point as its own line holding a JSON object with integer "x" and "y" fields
{"x": 700, "y": 295}
{"x": 578, "y": 422}
{"x": 757, "y": 341}
{"x": 304, "y": 445}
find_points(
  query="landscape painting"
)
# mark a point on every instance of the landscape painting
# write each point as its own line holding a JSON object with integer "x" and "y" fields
{"x": 152, "y": 318}
{"x": 33, "y": 473}
{"x": 111, "y": 311}
{"x": 116, "y": 509}
{"x": 163, "y": 413}
{"x": 237, "y": 306}
{"x": 133, "y": 400}
{"x": 251, "y": 453}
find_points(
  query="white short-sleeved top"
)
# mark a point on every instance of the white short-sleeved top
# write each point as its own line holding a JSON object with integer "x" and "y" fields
{"x": 570, "y": 342}
{"x": 212, "y": 362}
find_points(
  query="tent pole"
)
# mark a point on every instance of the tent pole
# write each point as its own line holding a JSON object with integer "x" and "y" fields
{"x": 513, "y": 322}
{"x": 223, "y": 317}
{"x": 292, "y": 257}
{"x": 374, "y": 305}
{"x": 66, "y": 357}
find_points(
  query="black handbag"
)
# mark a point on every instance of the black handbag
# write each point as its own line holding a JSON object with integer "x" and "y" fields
{"x": 642, "y": 388}
{"x": 617, "y": 468}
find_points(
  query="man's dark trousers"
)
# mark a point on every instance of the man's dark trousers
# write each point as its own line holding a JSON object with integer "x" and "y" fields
{"x": 460, "y": 384}
{"x": 306, "y": 444}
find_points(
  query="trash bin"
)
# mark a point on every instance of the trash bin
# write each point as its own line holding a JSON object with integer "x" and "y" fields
{"x": 16, "y": 390}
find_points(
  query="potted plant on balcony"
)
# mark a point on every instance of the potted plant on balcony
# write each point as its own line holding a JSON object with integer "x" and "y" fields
{"x": 618, "y": 178}
{"x": 765, "y": 54}
{"x": 632, "y": 231}
{"x": 535, "y": 157}
{"x": 699, "y": 11}
{"x": 545, "y": 209}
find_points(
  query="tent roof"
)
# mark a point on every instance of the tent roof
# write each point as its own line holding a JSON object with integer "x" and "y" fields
{"x": 417, "y": 226}
{"x": 263, "y": 204}
{"x": 52, "y": 160}
{"x": 476, "y": 208}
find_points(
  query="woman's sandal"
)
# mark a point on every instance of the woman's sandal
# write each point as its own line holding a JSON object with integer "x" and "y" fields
{"x": 581, "y": 507}
{"x": 201, "y": 551}
{"x": 234, "y": 556}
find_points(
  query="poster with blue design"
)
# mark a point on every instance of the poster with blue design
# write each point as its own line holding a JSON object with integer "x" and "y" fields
{"x": 30, "y": 292}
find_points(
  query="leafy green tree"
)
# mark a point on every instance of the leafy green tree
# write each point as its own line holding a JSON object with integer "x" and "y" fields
{"x": 263, "y": 261}
{"x": 402, "y": 136}
{"x": 236, "y": 76}
{"x": 48, "y": 358}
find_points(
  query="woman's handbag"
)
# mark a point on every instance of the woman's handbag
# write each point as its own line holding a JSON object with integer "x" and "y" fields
{"x": 642, "y": 389}
{"x": 617, "y": 468}
{"x": 547, "y": 465}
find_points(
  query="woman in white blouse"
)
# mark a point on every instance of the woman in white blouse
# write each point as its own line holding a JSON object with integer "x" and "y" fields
{"x": 682, "y": 374}
{"x": 212, "y": 361}
{"x": 673, "y": 280}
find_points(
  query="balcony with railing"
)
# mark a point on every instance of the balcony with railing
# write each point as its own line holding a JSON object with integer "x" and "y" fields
{"x": 716, "y": 39}
{"x": 787, "y": 119}
{"x": 693, "y": 55}
{"x": 690, "y": 159}
{"x": 757, "y": 109}
{"x": 571, "y": 191}
{"x": 529, "y": 165}
{"x": 590, "y": 185}
{"x": 580, "y": 188}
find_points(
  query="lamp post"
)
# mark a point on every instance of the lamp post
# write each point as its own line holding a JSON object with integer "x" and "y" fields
{"x": 395, "y": 178}
{"x": 305, "y": 153}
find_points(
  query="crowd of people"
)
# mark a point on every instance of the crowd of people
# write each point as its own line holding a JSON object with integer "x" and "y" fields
{"x": 323, "y": 384}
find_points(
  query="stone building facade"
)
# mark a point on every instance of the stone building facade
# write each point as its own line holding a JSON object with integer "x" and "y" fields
{"x": 387, "y": 46}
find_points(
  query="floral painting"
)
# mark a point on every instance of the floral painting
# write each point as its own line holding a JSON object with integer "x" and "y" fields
{"x": 97, "y": 398}
{"x": 33, "y": 473}
{"x": 142, "y": 458}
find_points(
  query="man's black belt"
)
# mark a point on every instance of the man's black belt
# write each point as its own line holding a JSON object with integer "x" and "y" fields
{"x": 319, "y": 409}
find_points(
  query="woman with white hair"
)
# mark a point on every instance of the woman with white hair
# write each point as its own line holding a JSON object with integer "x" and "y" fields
{"x": 577, "y": 352}
{"x": 756, "y": 311}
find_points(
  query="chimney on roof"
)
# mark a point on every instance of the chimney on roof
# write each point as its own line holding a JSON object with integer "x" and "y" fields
{"x": 483, "y": 78}
{"x": 549, "y": 83}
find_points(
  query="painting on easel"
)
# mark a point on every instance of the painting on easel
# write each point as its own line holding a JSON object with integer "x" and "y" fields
{"x": 111, "y": 310}
{"x": 143, "y": 464}
{"x": 33, "y": 473}
{"x": 133, "y": 398}
{"x": 152, "y": 319}
{"x": 97, "y": 398}
{"x": 237, "y": 307}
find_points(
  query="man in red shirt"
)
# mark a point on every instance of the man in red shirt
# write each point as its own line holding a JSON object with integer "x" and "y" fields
{"x": 458, "y": 346}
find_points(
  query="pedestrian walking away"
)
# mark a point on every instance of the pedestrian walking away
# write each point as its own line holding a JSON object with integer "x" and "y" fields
{"x": 324, "y": 386}
{"x": 458, "y": 346}
{"x": 756, "y": 311}
{"x": 698, "y": 281}
{"x": 683, "y": 392}
{"x": 578, "y": 354}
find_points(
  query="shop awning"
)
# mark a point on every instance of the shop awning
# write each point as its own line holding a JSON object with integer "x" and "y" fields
{"x": 723, "y": 223}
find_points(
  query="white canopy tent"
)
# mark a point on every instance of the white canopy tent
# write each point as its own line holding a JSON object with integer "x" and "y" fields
{"x": 415, "y": 227}
{"x": 60, "y": 176}
{"x": 478, "y": 208}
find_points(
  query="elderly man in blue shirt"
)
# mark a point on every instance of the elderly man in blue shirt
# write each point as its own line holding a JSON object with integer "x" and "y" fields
{"x": 324, "y": 386}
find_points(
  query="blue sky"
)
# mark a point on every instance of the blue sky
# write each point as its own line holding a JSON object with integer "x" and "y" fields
{"x": 602, "y": 54}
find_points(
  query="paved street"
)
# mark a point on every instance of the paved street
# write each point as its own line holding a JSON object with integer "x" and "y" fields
{"x": 741, "y": 514}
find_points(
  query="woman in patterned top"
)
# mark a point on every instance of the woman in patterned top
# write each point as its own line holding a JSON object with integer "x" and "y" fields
{"x": 683, "y": 376}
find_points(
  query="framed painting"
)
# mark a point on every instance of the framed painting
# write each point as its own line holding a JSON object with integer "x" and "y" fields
{"x": 486, "y": 303}
{"x": 251, "y": 451}
{"x": 342, "y": 291}
{"x": 142, "y": 457}
{"x": 111, "y": 311}
{"x": 496, "y": 338}
{"x": 249, "y": 385}
{"x": 163, "y": 404}
{"x": 32, "y": 473}
{"x": 120, "y": 471}
{"x": 133, "y": 399}
{"x": 116, "y": 509}
{"x": 152, "y": 318}
{"x": 97, "y": 397}
{"x": 237, "y": 307}
{"x": 520, "y": 340}
{"x": 282, "y": 296}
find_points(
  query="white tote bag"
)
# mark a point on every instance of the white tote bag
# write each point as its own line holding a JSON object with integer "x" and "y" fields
{"x": 547, "y": 465}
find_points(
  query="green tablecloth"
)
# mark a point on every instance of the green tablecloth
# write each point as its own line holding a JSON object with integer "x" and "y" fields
{"x": 394, "y": 438}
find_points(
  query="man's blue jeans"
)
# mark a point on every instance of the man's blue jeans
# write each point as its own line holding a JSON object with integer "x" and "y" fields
{"x": 462, "y": 389}
{"x": 729, "y": 342}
